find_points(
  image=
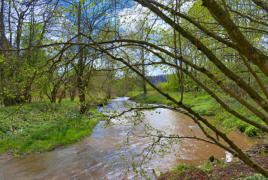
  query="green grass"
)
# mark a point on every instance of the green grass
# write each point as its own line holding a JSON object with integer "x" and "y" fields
{"x": 231, "y": 122}
{"x": 181, "y": 168}
{"x": 205, "y": 105}
{"x": 42, "y": 126}
{"x": 202, "y": 103}
{"x": 255, "y": 177}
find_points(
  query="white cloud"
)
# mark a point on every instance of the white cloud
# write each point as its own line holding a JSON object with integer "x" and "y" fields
{"x": 130, "y": 20}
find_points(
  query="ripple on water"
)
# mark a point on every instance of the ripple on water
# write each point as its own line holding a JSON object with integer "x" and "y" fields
{"x": 103, "y": 155}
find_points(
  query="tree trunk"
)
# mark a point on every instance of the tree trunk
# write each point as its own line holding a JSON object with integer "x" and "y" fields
{"x": 54, "y": 95}
{"x": 62, "y": 95}
{"x": 143, "y": 72}
{"x": 80, "y": 82}
{"x": 72, "y": 93}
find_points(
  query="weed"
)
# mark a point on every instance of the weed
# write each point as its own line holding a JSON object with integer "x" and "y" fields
{"x": 42, "y": 126}
{"x": 180, "y": 168}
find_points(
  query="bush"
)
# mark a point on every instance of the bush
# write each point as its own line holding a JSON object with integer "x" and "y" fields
{"x": 163, "y": 86}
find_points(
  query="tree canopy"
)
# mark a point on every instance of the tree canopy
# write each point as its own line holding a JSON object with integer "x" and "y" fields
{"x": 80, "y": 48}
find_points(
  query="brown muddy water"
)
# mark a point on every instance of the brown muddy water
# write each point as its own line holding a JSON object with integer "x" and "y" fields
{"x": 111, "y": 152}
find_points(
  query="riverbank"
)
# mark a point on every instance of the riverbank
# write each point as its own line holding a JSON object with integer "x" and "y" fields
{"x": 221, "y": 171}
{"x": 95, "y": 156}
{"x": 43, "y": 126}
{"x": 205, "y": 105}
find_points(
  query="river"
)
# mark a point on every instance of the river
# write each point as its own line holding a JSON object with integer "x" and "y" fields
{"x": 110, "y": 151}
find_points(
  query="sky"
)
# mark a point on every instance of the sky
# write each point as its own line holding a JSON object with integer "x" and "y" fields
{"x": 130, "y": 16}
{"x": 130, "y": 19}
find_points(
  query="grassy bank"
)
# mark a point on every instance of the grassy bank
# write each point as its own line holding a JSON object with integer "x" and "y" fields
{"x": 42, "y": 126}
{"x": 205, "y": 106}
